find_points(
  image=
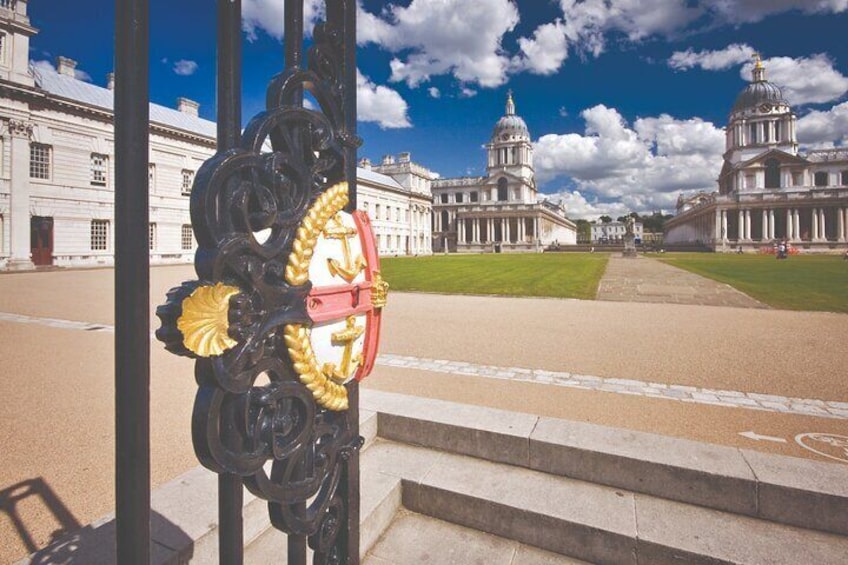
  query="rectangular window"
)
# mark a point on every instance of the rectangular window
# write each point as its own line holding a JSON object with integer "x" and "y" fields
{"x": 473, "y": 197}
{"x": 821, "y": 178}
{"x": 151, "y": 236}
{"x": 797, "y": 178}
{"x": 844, "y": 178}
{"x": 458, "y": 198}
{"x": 99, "y": 235}
{"x": 188, "y": 180}
{"x": 186, "y": 241}
{"x": 39, "y": 161}
{"x": 151, "y": 176}
{"x": 388, "y": 212}
{"x": 444, "y": 198}
{"x": 3, "y": 47}
{"x": 752, "y": 136}
{"x": 99, "y": 169}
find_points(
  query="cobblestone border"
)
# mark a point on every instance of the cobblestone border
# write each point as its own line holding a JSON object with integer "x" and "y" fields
{"x": 682, "y": 393}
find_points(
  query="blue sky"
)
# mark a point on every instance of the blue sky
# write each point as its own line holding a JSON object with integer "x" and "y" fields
{"x": 625, "y": 99}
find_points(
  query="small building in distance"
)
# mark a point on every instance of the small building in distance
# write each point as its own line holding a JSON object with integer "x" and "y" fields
{"x": 501, "y": 211}
{"x": 613, "y": 232}
{"x": 767, "y": 190}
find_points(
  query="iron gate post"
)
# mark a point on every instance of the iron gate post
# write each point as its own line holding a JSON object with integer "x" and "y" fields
{"x": 132, "y": 284}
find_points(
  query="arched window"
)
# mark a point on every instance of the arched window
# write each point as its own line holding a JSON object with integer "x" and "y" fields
{"x": 503, "y": 192}
{"x": 821, "y": 178}
{"x": 772, "y": 173}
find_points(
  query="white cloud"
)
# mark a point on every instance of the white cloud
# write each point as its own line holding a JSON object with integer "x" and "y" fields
{"x": 434, "y": 92}
{"x": 380, "y": 104}
{"x": 751, "y": 11}
{"x": 435, "y": 37}
{"x": 267, "y": 15}
{"x": 185, "y": 68}
{"x": 803, "y": 80}
{"x": 545, "y": 52}
{"x": 465, "y": 92}
{"x": 588, "y": 21}
{"x": 719, "y": 60}
{"x": 47, "y": 66}
{"x": 824, "y": 128}
{"x": 578, "y": 206}
{"x": 643, "y": 166}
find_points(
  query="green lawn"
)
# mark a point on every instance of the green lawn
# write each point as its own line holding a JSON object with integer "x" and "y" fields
{"x": 802, "y": 282}
{"x": 560, "y": 275}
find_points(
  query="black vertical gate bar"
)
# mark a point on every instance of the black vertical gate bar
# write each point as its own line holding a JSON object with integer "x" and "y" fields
{"x": 343, "y": 15}
{"x": 230, "y": 490}
{"x": 132, "y": 284}
{"x": 293, "y": 56}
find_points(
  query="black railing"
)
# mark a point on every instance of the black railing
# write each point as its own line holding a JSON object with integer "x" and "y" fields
{"x": 247, "y": 204}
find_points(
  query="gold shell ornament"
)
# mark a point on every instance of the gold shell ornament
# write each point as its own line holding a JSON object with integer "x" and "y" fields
{"x": 204, "y": 322}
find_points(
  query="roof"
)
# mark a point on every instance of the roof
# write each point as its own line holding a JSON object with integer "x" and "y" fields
{"x": 378, "y": 178}
{"x": 70, "y": 88}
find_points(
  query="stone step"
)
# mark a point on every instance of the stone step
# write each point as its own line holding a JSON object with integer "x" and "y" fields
{"x": 415, "y": 538}
{"x": 184, "y": 520}
{"x": 788, "y": 490}
{"x": 587, "y": 521}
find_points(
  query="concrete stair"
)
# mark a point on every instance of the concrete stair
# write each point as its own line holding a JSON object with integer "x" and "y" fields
{"x": 451, "y": 483}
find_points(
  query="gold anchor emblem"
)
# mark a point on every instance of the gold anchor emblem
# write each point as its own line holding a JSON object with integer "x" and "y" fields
{"x": 349, "y": 361}
{"x": 337, "y": 230}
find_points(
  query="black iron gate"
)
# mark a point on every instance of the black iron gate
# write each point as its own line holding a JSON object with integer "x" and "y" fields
{"x": 246, "y": 205}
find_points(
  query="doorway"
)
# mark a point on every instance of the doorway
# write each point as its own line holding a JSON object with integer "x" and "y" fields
{"x": 41, "y": 240}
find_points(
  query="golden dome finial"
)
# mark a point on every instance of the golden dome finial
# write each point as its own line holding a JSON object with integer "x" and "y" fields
{"x": 758, "y": 61}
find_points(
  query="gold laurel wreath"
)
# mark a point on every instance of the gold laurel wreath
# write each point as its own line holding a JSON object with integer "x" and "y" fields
{"x": 327, "y": 393}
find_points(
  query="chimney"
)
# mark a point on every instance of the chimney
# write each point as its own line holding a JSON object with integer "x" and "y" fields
{"x": 365, "y": 163}
{"x": 187, "y": 106}
{"x": 110, "y": 81}
{"x": 65, "y": 66}
{"x": 403, "y": 157}
{"x": 388, "y": 160}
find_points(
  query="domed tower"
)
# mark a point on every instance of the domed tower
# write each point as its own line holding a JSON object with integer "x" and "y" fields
{"x": 510, "y": 150}
{"x": 761, "y": 120}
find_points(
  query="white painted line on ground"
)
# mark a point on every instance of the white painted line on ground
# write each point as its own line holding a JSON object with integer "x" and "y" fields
{"x": 727, "y": 398}
{"x": 757, "y": 437}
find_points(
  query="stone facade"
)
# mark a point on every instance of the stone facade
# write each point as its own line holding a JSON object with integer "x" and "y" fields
{"x": 502, "y": 211}
{"x": 767, "y": 190}
{"x": 57, "y": 166}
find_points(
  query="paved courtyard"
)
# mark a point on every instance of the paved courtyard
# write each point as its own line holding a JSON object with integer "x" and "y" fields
{"x": 710, "y": 368}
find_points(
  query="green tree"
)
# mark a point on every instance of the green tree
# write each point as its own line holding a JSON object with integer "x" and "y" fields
{"x": 605, "y": 219}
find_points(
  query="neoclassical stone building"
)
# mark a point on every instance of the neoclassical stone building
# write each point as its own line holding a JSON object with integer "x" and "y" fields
{"x": 767, "y": 190}
{"x": 501, "y": 211}
{"x": 57, "y": 168}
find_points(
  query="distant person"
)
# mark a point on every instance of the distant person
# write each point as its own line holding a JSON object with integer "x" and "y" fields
{"x": 781, "y": 250}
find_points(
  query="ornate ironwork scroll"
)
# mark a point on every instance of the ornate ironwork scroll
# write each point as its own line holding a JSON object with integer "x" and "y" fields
{"x": 256, "y": 212}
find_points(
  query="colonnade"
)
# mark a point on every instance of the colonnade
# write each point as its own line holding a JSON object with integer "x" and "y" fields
{"x": 483, "y": 230}
{"x": 791, "y": 218}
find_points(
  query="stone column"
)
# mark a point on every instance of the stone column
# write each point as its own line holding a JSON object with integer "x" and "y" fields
{"x": 460, "y": 230}
{"x": 747, "y": 225}
{"x": 796, "y": 220}
{"x": 789, "y": 223}
{"x": 815, "y": 219}
{"x": 536, "y": 236}
{"x": 724, "y": 225}
{"x": 822, "y": 225}
{"x": 507, "y": 234}
{"x": 840, "y": 224}
{"x": 521, "y": 228}
{"x": 765, "y": 230}
{"x": 771, "y": 224}
{"x": 20, "y": 250}
{"x": 717, "y": 225}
